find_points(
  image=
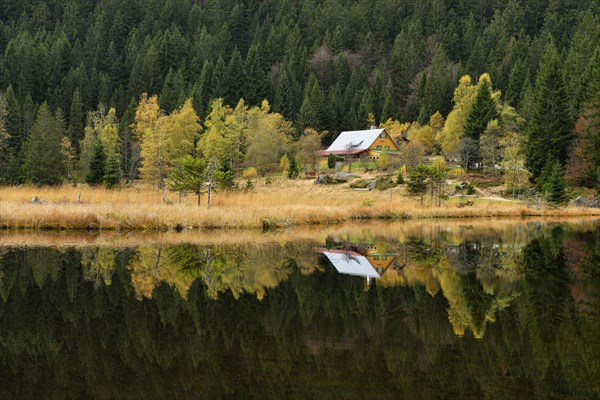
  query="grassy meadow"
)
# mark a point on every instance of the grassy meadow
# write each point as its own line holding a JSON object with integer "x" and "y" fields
{"x": 281, "y": 204}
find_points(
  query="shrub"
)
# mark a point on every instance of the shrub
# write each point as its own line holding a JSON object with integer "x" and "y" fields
{"x": 249, "y": 172}
{"x": 400, "y": 179}
{"x": 360, "y": 184}
{"x": 384, "y": 183}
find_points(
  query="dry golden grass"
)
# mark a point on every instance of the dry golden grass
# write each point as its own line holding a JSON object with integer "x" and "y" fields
{"x": 282, "y": 204}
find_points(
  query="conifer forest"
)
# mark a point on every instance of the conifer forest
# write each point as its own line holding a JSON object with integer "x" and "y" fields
{"x": 110, "y": 91}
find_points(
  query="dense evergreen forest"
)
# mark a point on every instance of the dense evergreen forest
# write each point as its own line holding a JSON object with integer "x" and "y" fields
{"x": 327, "y": 65}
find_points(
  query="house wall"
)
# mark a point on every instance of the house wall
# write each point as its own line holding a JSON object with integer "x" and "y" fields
{"x": 381, "y": 144}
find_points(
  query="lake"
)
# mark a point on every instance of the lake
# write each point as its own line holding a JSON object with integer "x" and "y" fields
{"x": 491, "y": 309}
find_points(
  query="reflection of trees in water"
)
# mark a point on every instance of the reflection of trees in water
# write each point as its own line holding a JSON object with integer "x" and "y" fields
{"x": 320, "y": 335}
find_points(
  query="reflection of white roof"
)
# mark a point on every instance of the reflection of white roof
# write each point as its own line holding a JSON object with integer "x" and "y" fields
{"x": 351, "y": 263}
{"x": 355, "y": 140}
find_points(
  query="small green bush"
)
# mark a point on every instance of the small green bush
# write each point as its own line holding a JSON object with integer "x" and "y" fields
{"x": 384, "y": 183}
{"x": 360, "y": 184}
{"x": 400, "y": 179}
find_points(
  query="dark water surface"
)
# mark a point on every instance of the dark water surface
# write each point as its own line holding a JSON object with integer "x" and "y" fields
{"x": 486, "y": 311}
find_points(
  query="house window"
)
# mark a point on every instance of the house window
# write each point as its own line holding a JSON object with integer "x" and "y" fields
{"x": 376, "y": 258}
{"x": 387, "y": 147}
{"x": 382, "y": 136}
{"x": 378, "y": 147}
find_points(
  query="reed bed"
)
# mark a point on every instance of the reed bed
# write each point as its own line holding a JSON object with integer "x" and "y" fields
{"x": 282, "y": 204}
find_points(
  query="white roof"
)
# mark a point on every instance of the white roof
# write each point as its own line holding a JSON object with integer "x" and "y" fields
{"x": 355, "y": 140}
{"x": 351, "y": 263}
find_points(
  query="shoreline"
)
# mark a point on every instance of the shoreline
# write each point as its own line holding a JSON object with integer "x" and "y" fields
{"x": 51, "y": 217}
{"x": 282, "y": 205}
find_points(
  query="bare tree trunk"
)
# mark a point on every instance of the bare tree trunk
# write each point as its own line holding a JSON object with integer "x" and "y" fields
{"x": 209, "y": 190}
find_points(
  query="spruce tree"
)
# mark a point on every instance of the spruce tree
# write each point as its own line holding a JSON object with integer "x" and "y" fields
{"x": 550, "y": 129}
{"x": 555, "y": 186}
{"x": 96, "y": 171}
{"x": 172, "y": 93}
{"x": 313, "y": 112}
{"x": 256, "y": 87}
{"x": 482, "y": 111}
{"x": 285, "y": 96}
{"x": 112, "y": 171}
{"x": 294, "y": 169}
{"x": 201, "y": 92}
{"x": 436, "y": 88}
{"x": 218, "y": 80}
{"x": 42, "y": 159}
{"x": 76, "y": 118}
{"x": 235, "y": 78}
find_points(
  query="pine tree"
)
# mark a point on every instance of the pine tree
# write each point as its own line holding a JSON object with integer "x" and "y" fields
{"x": 285, "y": 96}
{"x": 201, "y": 92}
{"x": 482, "y": 111}
{"x": 293, "y": 169}
{"x": 4, "y": 137}
{"x": 112, "y": 171}
{"x": 235, "y": 78}
{"x": 218, "y": 80}
{"x": 97, "y": 167}
{"x": 76, "y": 118}
{"x": 43, "y": 163}
{"x": 172, "y": 93}
{"x": 555, "y": 185}
{"x": 312, "y": 113}
{"x": 550, "y": 129}
{"x": 256, "y": 87}
{"x": 437, "y": 87}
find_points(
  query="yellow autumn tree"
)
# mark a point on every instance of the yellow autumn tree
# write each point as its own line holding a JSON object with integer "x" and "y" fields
{"x": 164, "y": 139}
{"x": 449, "y": 137}
{"x": 268, "y": 138}
{"x": 217, "y": 140}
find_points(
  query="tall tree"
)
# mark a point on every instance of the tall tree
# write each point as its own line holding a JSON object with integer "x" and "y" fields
{"x": 76, "y": 118}
{"x": 97, "y": 165}
{"x": 313, "y": 112}
{"x": 550, "y": 130}
{"x": 482, "y": 111}
{"x": 43, "y": 163}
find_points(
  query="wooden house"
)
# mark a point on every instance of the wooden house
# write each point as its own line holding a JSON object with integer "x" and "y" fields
{"x": 367, "y": 144}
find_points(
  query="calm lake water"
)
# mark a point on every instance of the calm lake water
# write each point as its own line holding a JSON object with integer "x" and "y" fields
{"x": 445, "y": 310}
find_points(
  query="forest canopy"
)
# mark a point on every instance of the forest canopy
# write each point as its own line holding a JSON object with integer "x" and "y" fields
{"x": 326, "y": 65}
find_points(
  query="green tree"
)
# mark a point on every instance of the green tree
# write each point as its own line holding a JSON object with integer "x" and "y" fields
{"x": 112, "y": 171}
{"x": 97, "y": 167}
{"x": 76, "y": 118}
{"x": 256, "y": 86}
{"x": 172, "y": 94}
{"x": 437, "y": 91}
{"x": 482, "y": 111}
{"x": 188, "y": 175}
{"x": 235, "y": 78}
{"x": 43, "y": 163}
{"x": 417, "y": 180}
{"x": 4, "y": 135}
{"x": 313, "y": 112}
{"x": 555, "y": 184}
{"x": 293, "y": 169}
{"x": 331, "y": 160}
{"x": 550, "y": 130}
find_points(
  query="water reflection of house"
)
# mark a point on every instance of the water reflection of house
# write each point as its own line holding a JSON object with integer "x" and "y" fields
{"x": 365, "y": 261}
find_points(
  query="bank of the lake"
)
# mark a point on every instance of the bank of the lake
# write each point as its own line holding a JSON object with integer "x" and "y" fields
{"x": 278, "y": 205}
